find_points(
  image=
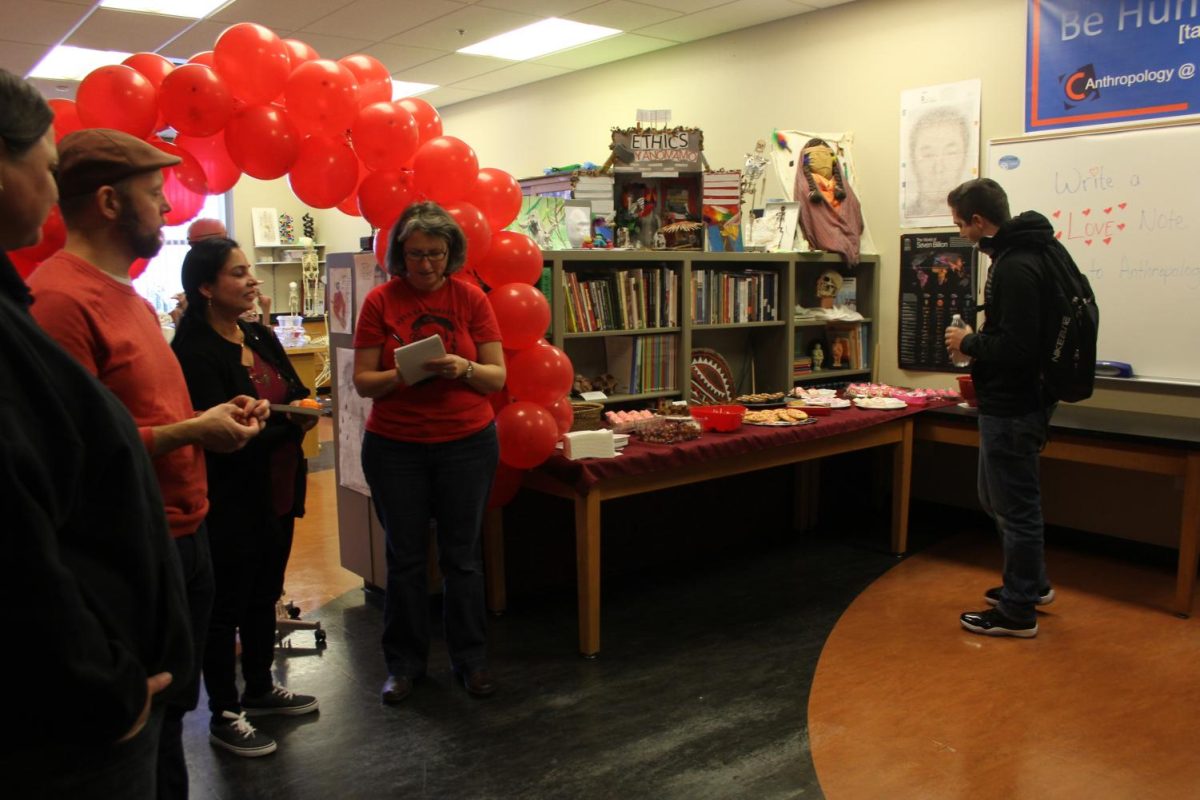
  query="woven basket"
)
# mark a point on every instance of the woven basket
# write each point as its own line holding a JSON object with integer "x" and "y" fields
{"x": 587, "y": 416}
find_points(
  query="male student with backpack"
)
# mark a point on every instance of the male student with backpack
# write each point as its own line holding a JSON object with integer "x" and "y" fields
{"x": 1022, "y": 365}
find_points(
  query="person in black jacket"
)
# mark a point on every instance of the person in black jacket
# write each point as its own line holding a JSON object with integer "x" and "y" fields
{"x": 1014, "y": 411}
{"x": 255, "y": 494}
{"x": 93, "y": 581}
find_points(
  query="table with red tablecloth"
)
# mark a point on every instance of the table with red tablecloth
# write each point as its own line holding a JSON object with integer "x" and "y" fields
{"x": 645, "y": 467}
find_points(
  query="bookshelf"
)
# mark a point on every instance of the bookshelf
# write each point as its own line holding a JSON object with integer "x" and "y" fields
{"x": 606, "y": 304}
{"x": 276, "y": 270}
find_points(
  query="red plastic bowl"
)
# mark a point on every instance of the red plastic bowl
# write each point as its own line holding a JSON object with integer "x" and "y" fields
{"x": 718, "y": 418}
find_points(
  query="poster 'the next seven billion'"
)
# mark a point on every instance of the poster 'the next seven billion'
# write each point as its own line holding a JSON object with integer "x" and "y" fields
{"x": 1106, "y": 62}
{"x": 937, "y": 281}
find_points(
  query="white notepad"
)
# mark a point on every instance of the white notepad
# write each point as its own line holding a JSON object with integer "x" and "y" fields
{"x": 411, "y": 357}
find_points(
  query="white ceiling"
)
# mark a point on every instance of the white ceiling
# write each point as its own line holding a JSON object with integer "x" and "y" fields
{"x": 415, "y": 39}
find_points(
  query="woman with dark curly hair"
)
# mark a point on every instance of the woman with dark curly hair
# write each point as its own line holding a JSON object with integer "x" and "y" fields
{"x": 254, "y": 494}
{"x": 430, "y": 450}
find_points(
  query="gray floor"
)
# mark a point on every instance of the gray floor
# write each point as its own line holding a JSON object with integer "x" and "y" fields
{"x": 701, "y": 691}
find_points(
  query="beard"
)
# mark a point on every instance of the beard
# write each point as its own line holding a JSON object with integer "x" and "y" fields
{"x": 145, "y": 242}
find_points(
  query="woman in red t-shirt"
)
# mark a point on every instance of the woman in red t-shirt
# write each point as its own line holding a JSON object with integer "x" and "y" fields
{"x": 430, "y": 449}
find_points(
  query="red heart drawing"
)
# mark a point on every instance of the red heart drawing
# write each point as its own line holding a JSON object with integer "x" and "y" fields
{"x": 1056, "y": 214}
{"x": 1058, "y": 234}
{"x": 1108, "y": 210}
{"x": 1120, "y": 226}
{"x": 1087, "y": 211}
{"x": 1088, "y": 242}
{"x": 1121, "y": 206}
{"x": 1107, "y": 239}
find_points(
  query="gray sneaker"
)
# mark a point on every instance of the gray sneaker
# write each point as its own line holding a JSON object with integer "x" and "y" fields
{"x": 236, "y": 735}
{"x": 279, "y": 701}
{"x": 1045, "y": 597}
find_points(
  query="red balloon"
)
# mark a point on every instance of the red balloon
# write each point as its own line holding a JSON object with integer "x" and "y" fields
{"x": 152, "y": 65}
{"x": 512, "y": 258}
{"x": 445, "y": 169}
{"x": 349, "y": 206}
{"x": 184, "y": 184}
{"x": 220, "y": 173}
{"x": 564, "y": 414}
{"x": 374, "y": 79}
{"x": 498, "y": 195}
{"x": 138, "y": 267}
{"x": 53, "y": 237}
{"x": 540, "y": 375}
{"x": 204, "y": 57}
{"x": 322, "y": 95}
{"x": 505, "y": 485}
{"x": 385, "y": 135}
{"x": 262, "y": 141}
{"x": 479, "y": 236}
{"x": 195, "y": 100}
{"x": 299, "y": 52}
{"x": 66, "y": 117}
{"x": 527, "y": 434}
{"x": 253, "y": 60}
{"x": 324, "y": 172}
{"x": 523, "y": 315}
{"x": 383, "y": 196}
{"x": 499, "y": 400}
{"x": 429, "y": 122}
{"x": 120, "y": 97}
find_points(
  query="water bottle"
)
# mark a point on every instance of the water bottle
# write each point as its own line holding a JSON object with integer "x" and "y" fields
{"x": 964, "y": 360}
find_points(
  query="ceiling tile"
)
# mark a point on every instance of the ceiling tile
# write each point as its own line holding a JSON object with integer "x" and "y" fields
{"x": 398, "y": 57}
{"x": 723, "y": 19}
{"x": 200, "y": 37}
{"x": 448, "y": 95}
{"x": 626, "y": 45}
{"x": 380, "y": 19}
{"x": 331, "y": 47}
{"x": 107, "y": 29}
{"x": 622, "y": 15}
{"x": 278, "y": 14}
{"x": 687, "y": 6}
{"x": 539, "y": 8}
{"x": 452, "y": 69}
{"x": 476, "y": 23}
{"x": 508, "y": 77}
{"x": 20, "y": 57}
{"x": 40, "y": 22}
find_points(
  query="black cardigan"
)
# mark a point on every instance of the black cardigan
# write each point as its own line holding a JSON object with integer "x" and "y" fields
{"x": 239, "y": 483}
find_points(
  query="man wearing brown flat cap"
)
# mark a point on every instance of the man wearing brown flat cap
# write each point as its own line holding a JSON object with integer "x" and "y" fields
{"x": 110, "y": 188}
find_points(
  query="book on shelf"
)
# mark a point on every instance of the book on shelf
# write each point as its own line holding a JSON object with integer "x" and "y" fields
{"x": 848, "y": 295}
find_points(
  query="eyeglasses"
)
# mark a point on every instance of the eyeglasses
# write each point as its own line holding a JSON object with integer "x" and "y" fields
{"x": 432, "y": 256}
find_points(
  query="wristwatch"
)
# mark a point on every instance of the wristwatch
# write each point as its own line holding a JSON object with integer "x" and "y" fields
{"x": 470, "y": 371}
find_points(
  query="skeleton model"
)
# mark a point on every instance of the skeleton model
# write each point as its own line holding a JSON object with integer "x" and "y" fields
{"x": 310, "y": 270}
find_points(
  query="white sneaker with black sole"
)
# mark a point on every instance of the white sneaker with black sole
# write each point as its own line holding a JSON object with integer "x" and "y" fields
{"x": 1045, "y": 597}
{"x": 234, "y": 733}
{"x": 279, "y": 700}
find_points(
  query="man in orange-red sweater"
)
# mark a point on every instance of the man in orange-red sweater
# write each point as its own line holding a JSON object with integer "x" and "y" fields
{"x": 111, "y": 195}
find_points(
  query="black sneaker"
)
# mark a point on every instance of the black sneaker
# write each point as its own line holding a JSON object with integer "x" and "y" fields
{"x": 992, "y": 596}
{"x": 993, "y": 623}
{"x": 236, "y": 735}
{"x": 279, "y": 701}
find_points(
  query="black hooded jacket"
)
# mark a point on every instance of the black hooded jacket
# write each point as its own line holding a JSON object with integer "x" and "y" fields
{"x": 1007, "y": 348}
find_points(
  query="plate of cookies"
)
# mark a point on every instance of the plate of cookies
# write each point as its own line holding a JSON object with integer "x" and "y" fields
{"x": 777, "y": 417}
{"x": 760, "y": 400}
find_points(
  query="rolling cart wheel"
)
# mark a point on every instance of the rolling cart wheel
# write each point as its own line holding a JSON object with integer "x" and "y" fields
{"x": 319, "y": 635}
{"x": 293, "y": 612}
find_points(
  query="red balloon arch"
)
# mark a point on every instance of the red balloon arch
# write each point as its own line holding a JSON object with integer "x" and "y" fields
{"x": 268, "y": 107}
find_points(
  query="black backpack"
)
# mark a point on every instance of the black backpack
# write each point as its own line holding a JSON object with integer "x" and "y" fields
{"x": 1070, "y": 326}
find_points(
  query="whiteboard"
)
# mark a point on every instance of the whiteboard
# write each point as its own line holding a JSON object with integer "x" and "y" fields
{"x": 1127, "y": 206}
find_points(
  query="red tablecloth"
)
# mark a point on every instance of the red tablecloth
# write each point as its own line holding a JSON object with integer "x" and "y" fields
{"x": 639, "y": 458}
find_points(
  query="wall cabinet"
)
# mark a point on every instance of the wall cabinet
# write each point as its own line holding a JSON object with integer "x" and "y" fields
{"x": 638, "y": 315}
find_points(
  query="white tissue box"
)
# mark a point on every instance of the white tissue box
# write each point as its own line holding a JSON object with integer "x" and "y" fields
{"x": 589, "y": 444}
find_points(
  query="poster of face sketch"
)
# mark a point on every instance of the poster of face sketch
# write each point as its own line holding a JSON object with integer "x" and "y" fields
{"x": 937, "y": 281}
{"x": 939, "y": 149}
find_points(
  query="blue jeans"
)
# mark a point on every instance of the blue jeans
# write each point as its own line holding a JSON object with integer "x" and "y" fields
{"x": 1010, "y": 492}
{"x": 411, "y": 484}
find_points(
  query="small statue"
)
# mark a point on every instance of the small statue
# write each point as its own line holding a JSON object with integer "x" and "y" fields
{"x": 660, "y": 240}
{"x": 818, "y": 356}
{"x": 307, "y": 221}
{"x": 293, "y": 298}
{"x": 623, "y": 238}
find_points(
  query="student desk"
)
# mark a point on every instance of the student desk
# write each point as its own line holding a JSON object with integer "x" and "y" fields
{"x": 644, "y": 467}
{"x": 1153, "y": 443}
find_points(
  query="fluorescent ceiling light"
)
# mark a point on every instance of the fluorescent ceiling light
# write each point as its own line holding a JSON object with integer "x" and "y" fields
{"x": 410, "y": 89}
{"x": 74, "y": 63}
{"x": 193, "y": 9}
{"x": 548, "y": 36}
